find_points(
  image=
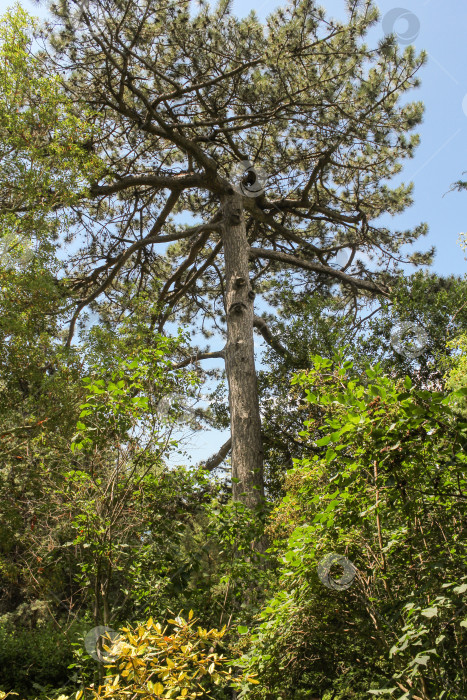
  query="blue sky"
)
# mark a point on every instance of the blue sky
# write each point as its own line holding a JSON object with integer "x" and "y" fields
{"x": 440, "y": 29}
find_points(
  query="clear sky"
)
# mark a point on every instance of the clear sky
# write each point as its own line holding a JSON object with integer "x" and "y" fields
{"x": 440, "y": 29}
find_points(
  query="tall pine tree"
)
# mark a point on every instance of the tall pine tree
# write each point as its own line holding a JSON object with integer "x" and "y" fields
{"x": 234, "y": 152}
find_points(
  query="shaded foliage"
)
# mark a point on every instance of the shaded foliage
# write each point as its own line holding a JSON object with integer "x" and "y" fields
{"x": 386, "y": 488}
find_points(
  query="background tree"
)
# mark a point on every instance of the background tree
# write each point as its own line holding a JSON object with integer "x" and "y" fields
{"x": 181, "y": 101}
{"x": 41, "y": 167}
{"x": 310, "y": 324}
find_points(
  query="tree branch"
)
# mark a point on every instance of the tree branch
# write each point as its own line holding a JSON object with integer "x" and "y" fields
{"x": 316, "y": 267}
{"x": 161, "y": 219}
{"x": 214, "y": 461}
{"x": 175, "y": 277}
{"x": 199, "y": 356}
{"x": 175, "y": 181}
{"x": 173, "y": 300}
{"x": 265, "y": 331}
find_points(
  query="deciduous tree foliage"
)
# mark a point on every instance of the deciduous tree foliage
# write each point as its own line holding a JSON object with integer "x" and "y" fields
{"x": 383, "y": 487}
{"x": 41, "y": 166}
{"x": 310, "y": 324}
{"x": 184, "y": 98}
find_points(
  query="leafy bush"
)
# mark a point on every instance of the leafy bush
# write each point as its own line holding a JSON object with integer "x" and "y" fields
{"x": 149, "y": 660}
{"x": 32, "y": 661}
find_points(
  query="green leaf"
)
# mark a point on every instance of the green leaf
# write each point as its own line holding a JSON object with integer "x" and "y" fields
{"x": 323, "y": 441}
{"x": 430, "y": 612}
{"x": 420, "y": 660}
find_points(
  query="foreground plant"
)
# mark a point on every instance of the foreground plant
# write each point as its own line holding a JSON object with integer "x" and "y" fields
{"x": 151, "y": 662}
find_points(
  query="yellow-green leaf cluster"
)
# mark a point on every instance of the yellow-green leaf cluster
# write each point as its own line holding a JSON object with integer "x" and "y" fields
{"x": 152, "y": 662}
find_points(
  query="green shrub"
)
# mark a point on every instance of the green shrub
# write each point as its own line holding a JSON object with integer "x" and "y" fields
{"x": 32, "y": 661}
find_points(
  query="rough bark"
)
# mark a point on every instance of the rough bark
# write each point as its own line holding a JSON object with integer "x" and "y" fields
{"x": 245, "y": 421}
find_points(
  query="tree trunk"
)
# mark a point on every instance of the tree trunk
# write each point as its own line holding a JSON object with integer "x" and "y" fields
{"x": 245, "y": 421}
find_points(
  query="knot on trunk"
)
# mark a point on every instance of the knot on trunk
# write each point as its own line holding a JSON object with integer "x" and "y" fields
{"x": 235, "y": 217}
{"x": 237, "y": 307}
